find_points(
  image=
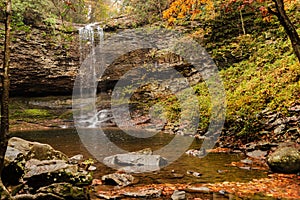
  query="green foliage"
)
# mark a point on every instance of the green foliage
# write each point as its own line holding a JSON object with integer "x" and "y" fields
{"x": 49, "y": 12}
{"x": 72, "y": 11}
{"x": 50, "y": 21}
{"x": 269, "y": 79}
{"x": 176, "y": 109}
{"x": 259, "y": 70}
{"x": 27, "y": 12}
{"x": 99, "y": 10}
{"x": 31, "y": 113}
{"x": 146, "y": 11}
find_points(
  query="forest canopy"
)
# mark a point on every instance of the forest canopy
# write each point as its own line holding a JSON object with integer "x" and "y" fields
{"x": 32, "y": 12}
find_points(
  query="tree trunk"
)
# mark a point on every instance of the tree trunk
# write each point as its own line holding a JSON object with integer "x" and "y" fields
{"x": 5, "y": 97}
{"x": 288, "y": 26}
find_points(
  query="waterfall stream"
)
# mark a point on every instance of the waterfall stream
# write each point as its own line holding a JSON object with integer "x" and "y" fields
{"x": 90, "y": 37}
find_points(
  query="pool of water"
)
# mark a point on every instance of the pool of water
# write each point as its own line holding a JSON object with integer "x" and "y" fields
{"x": 69, "y": 142}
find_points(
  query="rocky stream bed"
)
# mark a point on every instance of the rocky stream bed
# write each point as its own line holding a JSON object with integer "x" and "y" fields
{"x": 237, "y": 168}
{"x": 37, "y": 171}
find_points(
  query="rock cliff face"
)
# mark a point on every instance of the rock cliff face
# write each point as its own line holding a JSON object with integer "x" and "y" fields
{"x": 45, "y": 62}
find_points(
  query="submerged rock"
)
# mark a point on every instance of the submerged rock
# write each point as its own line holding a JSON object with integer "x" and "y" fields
{"x": 285, "y": 160}
{"x": 196, "y": 174}
{"x": 247, "y": 161}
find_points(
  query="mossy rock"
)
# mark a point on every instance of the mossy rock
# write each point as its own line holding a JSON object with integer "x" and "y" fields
{"x": 285, "y": 160}
{"x": 65, "y": 190}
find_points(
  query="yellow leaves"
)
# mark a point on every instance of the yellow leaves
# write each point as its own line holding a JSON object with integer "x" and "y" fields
{"x": 171, "y": 20}
{"x": 190, "y": 9}
{"x": 180, "y": 15}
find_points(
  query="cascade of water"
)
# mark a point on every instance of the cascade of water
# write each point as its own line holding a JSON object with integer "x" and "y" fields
{"x": 88, "y": 73}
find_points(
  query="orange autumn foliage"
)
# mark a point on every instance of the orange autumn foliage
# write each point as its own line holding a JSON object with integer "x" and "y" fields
{"x": 180, "y": 9}
{"x": 191, "y": 9}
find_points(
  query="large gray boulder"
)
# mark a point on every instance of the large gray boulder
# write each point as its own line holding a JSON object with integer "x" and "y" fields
{"x": 18, "y": 147}
{"x": 41, "y": 173}
{"x": 19, "y": 151}
{"x": 139, "y": 161}
{"x": 39, "y": 165}
{"x": 285, "y": 160}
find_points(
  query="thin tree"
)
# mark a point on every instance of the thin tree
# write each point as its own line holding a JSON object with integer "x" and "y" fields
{"x": 289, "y": 27}
{"x": 5, "y": 97}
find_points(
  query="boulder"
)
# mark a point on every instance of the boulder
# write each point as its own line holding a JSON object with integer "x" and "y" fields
{"x": 65, "y": 191}
{"x": 35, "y": 167}
{"x": 29, "y": 150}
{"x": 285, "y": 160}
{"x": 136, "y": 161}
{"x": 76, "y": 159}
{"x": 257, "y": 154}
{"x": 40, "y": 173}
{"x": 19, "y": 151}
{"x": 178, "y": 195}
{"x": 44, "y": 172}
{"x": 118, "y": 179}
{"x": 56, "y": 191}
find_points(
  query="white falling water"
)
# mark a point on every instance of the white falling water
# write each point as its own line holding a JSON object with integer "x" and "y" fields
{"x": 89, "y": 37}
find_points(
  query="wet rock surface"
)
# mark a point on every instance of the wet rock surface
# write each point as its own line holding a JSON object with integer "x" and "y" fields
{"x": 201, "y": 189}
{"x": 142, "y": 160}
{"x": 285, "y": 160}
{"x": 20, "y": 151}
{"x": 178, "y": 195}
{"x": 31, "y": 150}
{"x": 41, "y": 172}
{"x": 118, "y": 179}
{"x": 41, "y": 65}
{"x": 146, "y": 193}
{"x": 257, "y": 154}
{"x": 65, "y": 191}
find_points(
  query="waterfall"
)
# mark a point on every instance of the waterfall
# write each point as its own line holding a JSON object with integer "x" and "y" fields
{"x": 90, "y": 36}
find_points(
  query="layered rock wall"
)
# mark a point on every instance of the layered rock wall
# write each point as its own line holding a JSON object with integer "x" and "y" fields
{"x": 44, "y": 61}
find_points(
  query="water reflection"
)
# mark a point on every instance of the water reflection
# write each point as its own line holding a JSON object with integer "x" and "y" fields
{"x": 68, "y": 141}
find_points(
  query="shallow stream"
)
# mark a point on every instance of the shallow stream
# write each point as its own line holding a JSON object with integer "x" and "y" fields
{"x": 213, "y": 167}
